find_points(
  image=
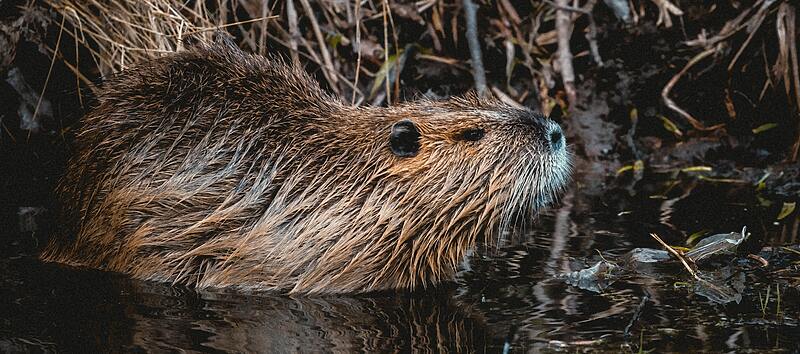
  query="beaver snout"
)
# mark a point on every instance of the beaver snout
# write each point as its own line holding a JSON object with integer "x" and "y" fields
{"x": 555, "y": 137}
{"x": 545, "y": 129}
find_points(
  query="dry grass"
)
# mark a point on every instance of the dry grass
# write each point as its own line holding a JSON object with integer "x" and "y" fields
{"x": 119, "y": 33}
{"x": 360, "y": 47}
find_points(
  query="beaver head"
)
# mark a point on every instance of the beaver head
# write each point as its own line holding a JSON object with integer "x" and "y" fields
{"x": 213, "y": 167}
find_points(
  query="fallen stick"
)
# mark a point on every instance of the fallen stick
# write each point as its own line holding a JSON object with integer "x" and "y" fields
{"x": 678, "y": 255}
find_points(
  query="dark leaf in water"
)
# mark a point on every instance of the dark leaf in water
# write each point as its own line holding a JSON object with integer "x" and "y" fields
{"x": 719, "y": 243}
{"x": 595, "y": 278}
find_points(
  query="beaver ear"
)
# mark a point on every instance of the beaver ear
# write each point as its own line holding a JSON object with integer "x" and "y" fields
{"x": 404, "y": 139}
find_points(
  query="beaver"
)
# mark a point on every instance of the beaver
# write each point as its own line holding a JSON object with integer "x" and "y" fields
{"x": 212, "y": 167}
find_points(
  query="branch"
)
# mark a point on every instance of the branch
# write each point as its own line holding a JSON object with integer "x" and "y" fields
{"x": 673, "y": 106}
{"x": 564, "y": 32}
{"x": 294, "y": 32}
{"x": 326, "y": 56}
{"x": 479, "y": 74}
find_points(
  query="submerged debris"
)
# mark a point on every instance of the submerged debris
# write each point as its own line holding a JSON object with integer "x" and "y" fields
{"x": 595, "y": 278}
{"x": 32, "y": 107}
{"x": 720, "y": 287}
{"x": 646, "y": 255}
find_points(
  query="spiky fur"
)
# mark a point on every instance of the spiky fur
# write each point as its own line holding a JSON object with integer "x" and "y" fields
{"x": 216, "y": 168}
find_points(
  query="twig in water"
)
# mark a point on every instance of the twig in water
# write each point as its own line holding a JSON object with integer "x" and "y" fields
{"x": 478, "y": 72}
{"x": 678, "y": 255}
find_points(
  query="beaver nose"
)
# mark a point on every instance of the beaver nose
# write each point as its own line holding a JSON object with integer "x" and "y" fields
{"x": 555, "y": 137}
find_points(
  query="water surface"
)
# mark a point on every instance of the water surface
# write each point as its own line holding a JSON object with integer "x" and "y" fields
{"x": 511, "y": 299}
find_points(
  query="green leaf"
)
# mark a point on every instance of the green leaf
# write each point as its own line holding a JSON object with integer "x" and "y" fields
{"x": 385, "y": 69}
{"x": 761, "y": 184}
{"x": 697, "y": 169}
{"x": 764, "y": 127}
{"x": 720, "y": 180}
{"x": 636, "y": 166}
{"x": 693, "y": 237}
{"x": 787, "y": 209}
{"x": 670, "y": 126}
{"x": 334, "y": 40}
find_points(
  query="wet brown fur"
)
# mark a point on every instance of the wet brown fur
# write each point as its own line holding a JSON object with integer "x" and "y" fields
{"x": 216, "y": 168}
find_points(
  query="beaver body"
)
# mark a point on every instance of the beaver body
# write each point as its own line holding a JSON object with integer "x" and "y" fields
{"x": 215, "y": 168}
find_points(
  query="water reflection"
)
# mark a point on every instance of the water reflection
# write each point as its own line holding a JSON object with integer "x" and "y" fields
{"x": 433, "y": 322}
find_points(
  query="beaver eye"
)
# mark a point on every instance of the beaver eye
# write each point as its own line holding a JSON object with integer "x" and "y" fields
{"x": 473, "y": 134}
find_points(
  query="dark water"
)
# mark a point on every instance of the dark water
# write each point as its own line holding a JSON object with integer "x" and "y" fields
{"x": 511, "y": 299}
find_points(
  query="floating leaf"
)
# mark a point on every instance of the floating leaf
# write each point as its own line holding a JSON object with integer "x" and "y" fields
{"x": 764, "y": 127}
{"x": 719, "y": 243}
{"x": 788, "y": 208}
